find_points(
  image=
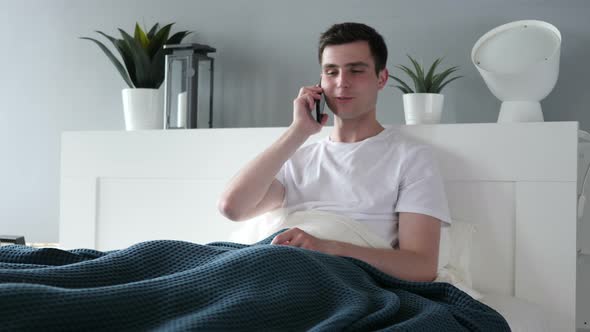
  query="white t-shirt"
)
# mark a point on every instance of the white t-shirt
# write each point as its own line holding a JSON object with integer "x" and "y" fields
{"x": 370, "y": 181}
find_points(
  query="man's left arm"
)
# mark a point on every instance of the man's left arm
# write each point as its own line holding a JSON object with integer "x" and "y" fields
{"x": 416, "y": 259}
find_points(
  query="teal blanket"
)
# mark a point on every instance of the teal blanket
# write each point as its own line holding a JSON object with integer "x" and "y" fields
{"x": 181, "y": 286}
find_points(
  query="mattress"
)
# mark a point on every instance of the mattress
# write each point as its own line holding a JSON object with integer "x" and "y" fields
{"x": 522, "y": 316}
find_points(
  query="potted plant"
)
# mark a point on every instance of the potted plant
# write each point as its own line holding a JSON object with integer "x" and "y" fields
{"x": 424, "y": 103}
{"x": 143, "y": 70}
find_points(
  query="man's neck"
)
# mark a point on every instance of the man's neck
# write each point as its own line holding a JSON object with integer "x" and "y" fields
{"x": 355, "y": 130}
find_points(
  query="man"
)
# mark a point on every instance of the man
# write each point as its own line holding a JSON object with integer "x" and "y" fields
{"x": 362, "y": 170}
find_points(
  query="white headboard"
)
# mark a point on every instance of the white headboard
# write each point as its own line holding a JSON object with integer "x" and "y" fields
{"x": 516, "y": 182}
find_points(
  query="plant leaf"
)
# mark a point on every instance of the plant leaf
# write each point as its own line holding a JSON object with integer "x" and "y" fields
{"x": 141, "y": 37}
{"x": 402, "y": 83}
{"x": 157, "y": 68}
{"x": 418, "y": 87}
{"x": 429, "y": 83}
{"x": 178, "y": 37}
{"x": 430, "y": 74}
{"x": 158, "y": 61}
{"x": 447, "y": 82}
{"x": 421, "y": 87}
{"x": 404, "y": 90}
{"x": 140, "y": 68}
{"x": 159, "y": 40}
{"x": 152, "y": 31}
{"x": 140, "y": 59}
{"x": 439, "y": 78}
{"x": 114, "y": 60}
{"x": 125, "y": 54}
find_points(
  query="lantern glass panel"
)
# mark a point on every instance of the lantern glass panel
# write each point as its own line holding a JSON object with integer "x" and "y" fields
{"x": 204, "y": 93}
{"x": 179, "y": 68}
{"x": 188, "y": 86}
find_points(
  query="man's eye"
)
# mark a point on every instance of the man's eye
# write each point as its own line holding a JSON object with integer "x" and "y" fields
{"x": 356, "y": 71}
{"x": 330, "y": 73}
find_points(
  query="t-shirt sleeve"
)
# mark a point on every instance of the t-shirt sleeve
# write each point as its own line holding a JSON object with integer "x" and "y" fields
{"x": 281, "y": 177}
{"x": 421, "y": 187}
{"x": 281, "y": 174}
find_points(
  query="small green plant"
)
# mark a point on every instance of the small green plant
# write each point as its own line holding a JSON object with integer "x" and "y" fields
{"x": 425, "y": 83}
{"x": 143, "y": 54}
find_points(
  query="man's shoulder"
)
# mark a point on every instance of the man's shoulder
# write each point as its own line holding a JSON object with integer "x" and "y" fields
{"x": 307, "y": 150}
{"x": 411, "y": 145}
{"x": 311, "y": 146}
{"x": 406, "y": 145}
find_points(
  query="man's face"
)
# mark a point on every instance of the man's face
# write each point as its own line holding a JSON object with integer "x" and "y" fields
{"x": 349, "y": 79}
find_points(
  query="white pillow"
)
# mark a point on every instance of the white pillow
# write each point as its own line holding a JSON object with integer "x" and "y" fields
{"x": 324, "y": 225}
{"x": 258, "y": 228}
{"x": 455, "y": 256}
{"x": 454, "y": 251}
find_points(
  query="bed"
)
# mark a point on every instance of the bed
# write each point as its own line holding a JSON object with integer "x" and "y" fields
{"x": 516, "y": 183}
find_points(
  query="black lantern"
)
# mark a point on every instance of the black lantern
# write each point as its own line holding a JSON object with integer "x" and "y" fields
{"x": 188, "y": 91}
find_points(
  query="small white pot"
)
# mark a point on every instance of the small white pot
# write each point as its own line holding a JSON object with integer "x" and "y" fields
{"x": 143, "y": 109}
{"x": 423, "y": 108}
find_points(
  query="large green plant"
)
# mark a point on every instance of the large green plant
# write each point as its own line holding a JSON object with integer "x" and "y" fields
{"x": 143, "y": 54}
{"x": 425, "y": 82}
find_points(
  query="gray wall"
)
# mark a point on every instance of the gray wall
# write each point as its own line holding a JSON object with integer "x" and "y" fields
{"x": 51, "y": 81}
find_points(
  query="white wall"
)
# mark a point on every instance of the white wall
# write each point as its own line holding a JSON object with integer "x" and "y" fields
{"x": 52, "y": 81}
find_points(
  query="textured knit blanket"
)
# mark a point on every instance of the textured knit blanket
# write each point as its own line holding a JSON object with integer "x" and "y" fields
{"x": 179, "y": 286}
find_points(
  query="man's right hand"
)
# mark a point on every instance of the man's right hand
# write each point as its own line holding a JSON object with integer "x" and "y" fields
{"x": 254, "y": 190}
{"x": 303, "y": 106}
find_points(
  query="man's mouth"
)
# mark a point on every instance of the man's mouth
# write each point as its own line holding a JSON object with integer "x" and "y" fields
{"x": 344, "y": 99}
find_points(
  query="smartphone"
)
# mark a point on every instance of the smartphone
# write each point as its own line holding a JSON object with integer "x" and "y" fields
{"x": 319, "y": 106}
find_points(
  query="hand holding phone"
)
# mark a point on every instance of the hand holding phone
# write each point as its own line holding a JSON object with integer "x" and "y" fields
{"x": 319, "y": 105}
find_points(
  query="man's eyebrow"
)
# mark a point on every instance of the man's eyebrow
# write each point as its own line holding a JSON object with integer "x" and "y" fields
{"x": 351, "y": 64}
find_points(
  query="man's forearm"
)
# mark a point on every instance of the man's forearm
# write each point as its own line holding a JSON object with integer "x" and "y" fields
{"x": 401, "y": 264}
{"x": 250, "y": 185}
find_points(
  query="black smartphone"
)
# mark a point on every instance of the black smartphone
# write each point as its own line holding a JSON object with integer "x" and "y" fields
{"x": 319, "y": 106}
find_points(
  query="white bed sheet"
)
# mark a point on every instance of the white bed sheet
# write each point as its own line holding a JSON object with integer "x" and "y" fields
{"x": 522, "y": 316}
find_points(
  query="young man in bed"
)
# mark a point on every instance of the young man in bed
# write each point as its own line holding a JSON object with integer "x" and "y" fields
{"x": 362, "y": 170}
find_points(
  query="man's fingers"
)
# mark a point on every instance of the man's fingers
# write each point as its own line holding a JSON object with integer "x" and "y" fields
{"x": 282, "y": 238}
{"x": 310, "y": 90}
{"x": 296, "y": 237}
{"x": 277, "y": 239}
{"x": 310, "y": 101}
{"x": 287, "y": 237}
{"x": 280, "y": 241}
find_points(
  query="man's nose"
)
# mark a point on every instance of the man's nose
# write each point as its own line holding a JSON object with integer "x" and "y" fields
{"x": 343, "y": 80}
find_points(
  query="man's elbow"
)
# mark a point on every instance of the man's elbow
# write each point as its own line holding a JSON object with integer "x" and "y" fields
{"x": 430, "y": 272}
{"x": 425, "y": 277}
{"x": 430, "y": 277}
{"x": 227, "y": 209}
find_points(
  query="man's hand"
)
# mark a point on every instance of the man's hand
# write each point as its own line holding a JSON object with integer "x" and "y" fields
{"x": 298, "y": 238}
{"x": 416, "y": 259}
{"x": 303, "y": 105}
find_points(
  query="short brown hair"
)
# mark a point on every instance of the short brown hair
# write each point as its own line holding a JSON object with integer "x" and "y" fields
{"x": 344, "y": 33}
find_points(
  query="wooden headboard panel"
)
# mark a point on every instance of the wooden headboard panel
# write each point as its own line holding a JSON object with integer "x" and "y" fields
{"x": 516, "y": 182}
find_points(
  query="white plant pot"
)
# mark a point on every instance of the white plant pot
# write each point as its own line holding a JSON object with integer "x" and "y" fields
{"x": 143, "y": 109}
{"x": 423, "y": 108}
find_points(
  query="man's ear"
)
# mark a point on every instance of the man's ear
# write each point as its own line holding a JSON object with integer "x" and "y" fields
{"x": 383, "y": 77}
